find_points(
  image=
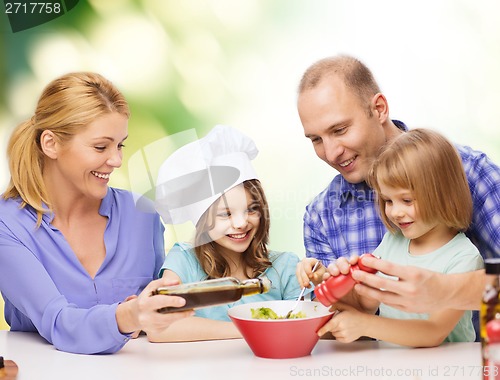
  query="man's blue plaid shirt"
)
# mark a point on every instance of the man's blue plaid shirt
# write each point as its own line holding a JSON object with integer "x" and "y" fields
{"x": 343, "y": 219}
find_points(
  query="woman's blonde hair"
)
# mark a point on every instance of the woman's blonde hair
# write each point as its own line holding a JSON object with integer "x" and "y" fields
{"x": 427, "y": 164}
{"x": 256, "y": 257}
{"x": 66, "y": 105}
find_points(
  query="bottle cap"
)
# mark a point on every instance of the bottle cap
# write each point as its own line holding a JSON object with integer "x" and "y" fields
{"x": 265, "y": 284}
{"x": 493, "y": 331}
{"x": 492, "y": 265}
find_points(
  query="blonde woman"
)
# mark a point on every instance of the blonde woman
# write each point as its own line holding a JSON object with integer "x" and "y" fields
{"x": 73, "y": 249}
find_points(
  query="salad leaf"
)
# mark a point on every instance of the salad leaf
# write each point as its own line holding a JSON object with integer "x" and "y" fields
{"x": 268, "y": 313}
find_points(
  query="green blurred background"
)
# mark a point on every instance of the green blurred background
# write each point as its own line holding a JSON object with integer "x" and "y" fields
{"x": 186, "y": 65}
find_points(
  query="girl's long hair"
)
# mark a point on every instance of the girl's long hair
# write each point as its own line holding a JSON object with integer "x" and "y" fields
{"x": 255, "y": 258}
{"x": 427, "y": 164}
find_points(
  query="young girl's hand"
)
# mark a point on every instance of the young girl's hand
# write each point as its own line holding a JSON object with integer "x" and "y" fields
{"x": 305, "y": 274}
{"x": 347, "y": 325}
{"x": 340, "y": 266}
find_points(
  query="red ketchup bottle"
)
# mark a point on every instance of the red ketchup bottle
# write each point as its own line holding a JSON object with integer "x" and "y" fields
{"x": 334, "y": 288}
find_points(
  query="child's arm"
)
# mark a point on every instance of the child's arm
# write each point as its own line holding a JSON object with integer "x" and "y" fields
{"x": 364, "y": 304}
{"x": 351, "y": 324}
{"x": 193, "y": 328}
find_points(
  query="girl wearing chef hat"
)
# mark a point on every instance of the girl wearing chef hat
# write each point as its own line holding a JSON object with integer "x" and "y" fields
{"x": 212, "y": 183}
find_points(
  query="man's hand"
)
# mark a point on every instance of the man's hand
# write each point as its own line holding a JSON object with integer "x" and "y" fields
{"x": 417, "y": 290}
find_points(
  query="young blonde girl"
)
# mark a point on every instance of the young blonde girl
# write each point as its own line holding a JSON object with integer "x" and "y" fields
{"x": 232, "y": 231}
{"x": 425, "y": 202}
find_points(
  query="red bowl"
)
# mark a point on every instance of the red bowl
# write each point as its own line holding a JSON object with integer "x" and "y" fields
{"x": 280, "y": 338}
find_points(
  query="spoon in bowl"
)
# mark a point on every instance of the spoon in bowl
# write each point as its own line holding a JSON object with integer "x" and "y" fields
{"x": 301, "y": 294}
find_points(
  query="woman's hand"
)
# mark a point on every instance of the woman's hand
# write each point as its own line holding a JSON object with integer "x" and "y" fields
{"x": 136, "y": 333}
{"x": 141, "y": 312}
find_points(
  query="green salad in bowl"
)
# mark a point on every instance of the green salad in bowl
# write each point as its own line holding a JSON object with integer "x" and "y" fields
{"x": 268, "y": 313}
{"x": 271, "y": 335}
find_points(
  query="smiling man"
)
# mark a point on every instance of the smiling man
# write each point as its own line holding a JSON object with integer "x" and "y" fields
{"x": 346, "y": 117}
{"x": 347, "y": 125}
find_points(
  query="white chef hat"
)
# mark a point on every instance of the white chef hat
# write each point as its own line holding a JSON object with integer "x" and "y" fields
{"x": 198, "y": 173}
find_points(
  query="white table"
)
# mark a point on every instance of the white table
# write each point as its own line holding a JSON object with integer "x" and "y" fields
{"x": 233, "y": 359}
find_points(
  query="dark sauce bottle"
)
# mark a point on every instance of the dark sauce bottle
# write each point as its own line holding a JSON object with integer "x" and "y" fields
{"x": 213, "y": 292}
{"x": 490, "y": 317}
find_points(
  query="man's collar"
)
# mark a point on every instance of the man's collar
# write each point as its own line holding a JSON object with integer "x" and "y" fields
{"x": 361, "y": 190}
{"x": 400, "y": 125}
